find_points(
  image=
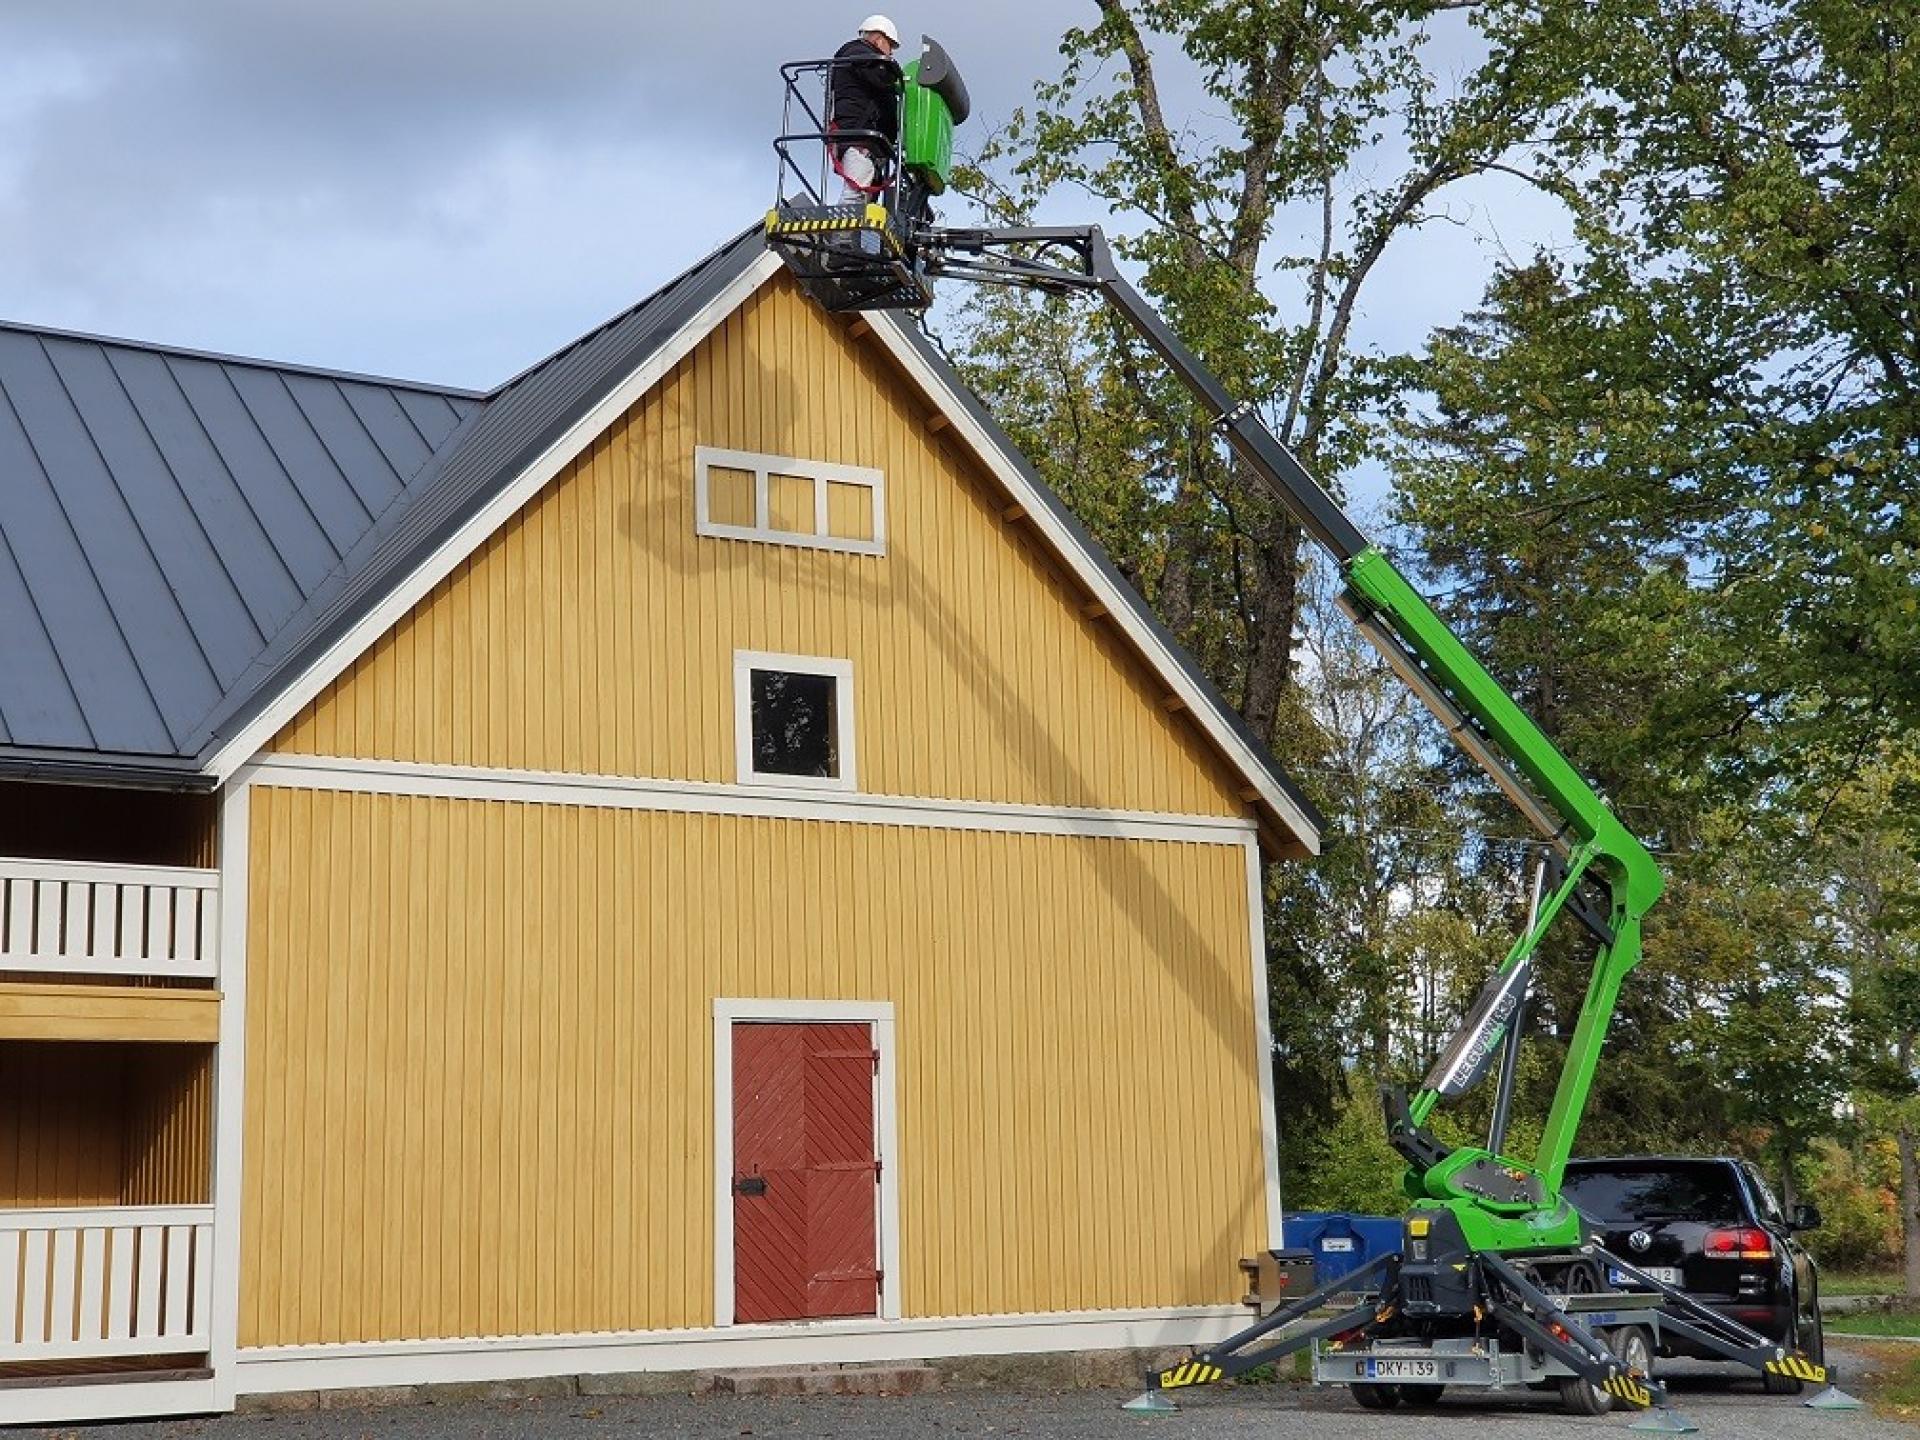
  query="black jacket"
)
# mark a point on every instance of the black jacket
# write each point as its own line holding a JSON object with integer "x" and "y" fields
{"x": 865, "y": 94}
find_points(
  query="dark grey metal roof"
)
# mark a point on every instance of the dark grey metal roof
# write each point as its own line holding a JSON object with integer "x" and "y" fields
{"x": 164, "y": 515}
{"x": 182, "y": 535}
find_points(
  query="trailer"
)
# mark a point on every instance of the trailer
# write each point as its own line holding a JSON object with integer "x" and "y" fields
{"x": 1384, "y": 1372}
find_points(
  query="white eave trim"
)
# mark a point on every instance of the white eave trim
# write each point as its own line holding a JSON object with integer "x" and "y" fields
{"x": 471, "y": 536}
{"x": 892, "y": 333}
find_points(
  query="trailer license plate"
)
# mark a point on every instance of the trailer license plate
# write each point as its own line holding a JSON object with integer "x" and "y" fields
{"x": 1337, "y": 1244}
{"x": 1665, "y": 1274}
{"x": 1402, "y": 1370}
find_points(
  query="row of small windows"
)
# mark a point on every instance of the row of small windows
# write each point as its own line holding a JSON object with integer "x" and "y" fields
{"x": 741, "y": 495}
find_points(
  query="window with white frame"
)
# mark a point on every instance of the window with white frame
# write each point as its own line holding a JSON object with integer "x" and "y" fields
{"x": 780, "y": 500}
{"x": 793, "y": 720}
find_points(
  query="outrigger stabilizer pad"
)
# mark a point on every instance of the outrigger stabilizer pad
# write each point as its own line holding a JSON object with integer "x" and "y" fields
{"x": 1662, "y": 1421}
{"x": 1833, "y": 1398}
{"x": 1153, "y": 1402}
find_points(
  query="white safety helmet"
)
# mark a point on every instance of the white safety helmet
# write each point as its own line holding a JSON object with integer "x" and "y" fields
{"x": 885, "y": 26}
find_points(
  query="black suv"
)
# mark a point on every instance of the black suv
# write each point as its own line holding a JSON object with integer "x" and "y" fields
{"x": 1712, "y": 1228}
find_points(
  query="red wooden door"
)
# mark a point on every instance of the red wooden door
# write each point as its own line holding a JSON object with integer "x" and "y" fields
{"x": 806, "y": 1178}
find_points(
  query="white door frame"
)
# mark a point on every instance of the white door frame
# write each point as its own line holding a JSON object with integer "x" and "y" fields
{"x": 878, "y": 1014}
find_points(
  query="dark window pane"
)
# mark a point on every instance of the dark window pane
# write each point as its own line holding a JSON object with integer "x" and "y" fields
{"x": 795, "y": 731}
{"x": 1705, "y": 1192}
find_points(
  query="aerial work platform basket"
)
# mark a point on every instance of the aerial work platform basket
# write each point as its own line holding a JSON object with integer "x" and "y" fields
{"x": 859, "y": 253}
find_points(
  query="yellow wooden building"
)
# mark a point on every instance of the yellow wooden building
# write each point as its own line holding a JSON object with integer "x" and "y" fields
{"x": 689, "y": 859}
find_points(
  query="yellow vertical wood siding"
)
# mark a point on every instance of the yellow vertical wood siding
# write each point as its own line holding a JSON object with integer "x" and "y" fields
{"x": 169, "y": 1152}
{"x": 104, "y": 1124}
{"x": 479, "y": 1087}
{"x": 62, "y": 1124}
{"x": 595, "y": 633}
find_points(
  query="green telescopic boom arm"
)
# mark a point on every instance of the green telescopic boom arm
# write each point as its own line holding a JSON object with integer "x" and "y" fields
{"x": 1472, "y": 706}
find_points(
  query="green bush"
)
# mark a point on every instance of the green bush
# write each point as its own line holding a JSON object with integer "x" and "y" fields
{"x": 1349, "y": 1165}
{"x": 1860, "y": 1218}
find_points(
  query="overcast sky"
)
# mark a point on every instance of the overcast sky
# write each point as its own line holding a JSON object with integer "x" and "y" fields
{"x": 448, "y": 189}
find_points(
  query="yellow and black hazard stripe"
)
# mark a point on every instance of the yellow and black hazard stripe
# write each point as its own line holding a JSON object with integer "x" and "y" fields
{"x": 814, "y": 225}
{"x": 872, "y": 217}
{"x": 1797, "y": 1367}
{"x": 1626, "y": 1388}
{"x": 1191, "y": 1372}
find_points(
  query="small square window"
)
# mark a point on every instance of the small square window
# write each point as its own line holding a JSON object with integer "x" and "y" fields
{"x": 793, "y": 724}
{"x": 793, "y": 718}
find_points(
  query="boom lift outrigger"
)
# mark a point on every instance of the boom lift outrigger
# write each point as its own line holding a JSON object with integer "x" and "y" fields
{"x": 1490, "y": 1247}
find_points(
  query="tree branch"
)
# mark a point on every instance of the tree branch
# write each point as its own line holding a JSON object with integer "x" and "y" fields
{"x": 1153, "y": 121}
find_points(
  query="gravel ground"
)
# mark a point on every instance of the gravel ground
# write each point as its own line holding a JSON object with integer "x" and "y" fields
{"x": 1724, "y": 1409}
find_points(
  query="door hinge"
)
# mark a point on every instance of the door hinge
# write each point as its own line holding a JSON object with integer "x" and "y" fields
{"x": 879, "y": 1282}
{"x": 874, "y": 1055}
{"x": 876, "y": 1170}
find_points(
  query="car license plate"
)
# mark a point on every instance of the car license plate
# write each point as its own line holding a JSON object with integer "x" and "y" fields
{"x": 1402, "y": 1370}
{"x": 1337, "y": 1244}
{"x": 1665, "y": 1274}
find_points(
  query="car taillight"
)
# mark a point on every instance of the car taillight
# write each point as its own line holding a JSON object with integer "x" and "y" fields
{"x": 1740, "y": 1244}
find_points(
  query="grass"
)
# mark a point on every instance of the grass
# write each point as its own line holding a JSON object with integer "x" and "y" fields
{"x": 1894, "y": 1382}
{"x": 1876, "y": 1322}
{"x": 1889, "y": 1282}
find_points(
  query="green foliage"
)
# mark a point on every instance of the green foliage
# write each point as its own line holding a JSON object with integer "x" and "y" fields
{"x": 1661, "y": 476}
{"x": 1721, "y": 386}
{"x": 1860, "y": 1223}
{"x": 1349, "y": 1165}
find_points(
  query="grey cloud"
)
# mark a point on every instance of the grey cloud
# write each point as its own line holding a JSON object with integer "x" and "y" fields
{"x": 425, "y": 187}
{"x": 401, "y": 172}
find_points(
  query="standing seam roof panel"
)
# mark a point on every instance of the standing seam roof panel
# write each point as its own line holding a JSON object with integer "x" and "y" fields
{"x": 112, "y": 694}
{"x": 373, "y": 476}
{"x": 323, "y": 485}
{"x": 389, "y": 426}
{"x": 243, "y": 452}
{"x": 433, "y": 415}
{"x": 37, "y": 702}
{"x": 163, "y": 517}
{"x": 192, "y": 568}
{"x": 118, "y": 550}
{"x": 251, "y": 559}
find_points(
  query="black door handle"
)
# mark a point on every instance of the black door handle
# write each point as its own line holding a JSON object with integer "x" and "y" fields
{"x": 750, "y": 1185}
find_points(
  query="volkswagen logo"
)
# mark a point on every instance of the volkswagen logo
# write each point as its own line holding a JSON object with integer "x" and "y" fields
{"x": 1640, "y": 1242}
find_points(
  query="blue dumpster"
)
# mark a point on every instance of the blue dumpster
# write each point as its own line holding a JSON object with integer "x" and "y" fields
{"x": 1341, "y": 1242}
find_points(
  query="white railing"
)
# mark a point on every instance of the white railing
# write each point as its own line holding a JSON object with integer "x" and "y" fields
{"x": 96, "y": 1284}
{"x": 84, "y": 919}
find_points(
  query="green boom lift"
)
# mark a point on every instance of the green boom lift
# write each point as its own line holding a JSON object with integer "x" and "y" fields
{"x": 1490, "y": 1247}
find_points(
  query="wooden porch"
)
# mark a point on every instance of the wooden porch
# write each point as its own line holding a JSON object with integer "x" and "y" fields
{"x": 109, "y": 1017}
{"x": 93, "y": 952}
{"x": 108, "y": 1283}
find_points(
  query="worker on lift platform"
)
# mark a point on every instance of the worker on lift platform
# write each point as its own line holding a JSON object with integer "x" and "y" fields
{"x": 886, "y": 130}
{"x": 864, "y": 95}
